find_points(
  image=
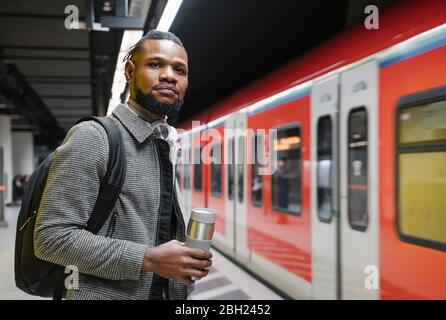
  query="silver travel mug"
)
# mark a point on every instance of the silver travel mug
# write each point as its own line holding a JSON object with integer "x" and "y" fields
{"x": 200, "y": 229}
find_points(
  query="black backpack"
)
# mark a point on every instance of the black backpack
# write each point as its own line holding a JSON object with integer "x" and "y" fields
{"x": 42, "y": 278}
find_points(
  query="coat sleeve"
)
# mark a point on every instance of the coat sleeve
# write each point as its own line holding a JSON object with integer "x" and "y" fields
{"x": 70, "y": 194}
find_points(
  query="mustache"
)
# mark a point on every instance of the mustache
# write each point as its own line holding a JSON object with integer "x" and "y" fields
{"x": 166, "y": 86}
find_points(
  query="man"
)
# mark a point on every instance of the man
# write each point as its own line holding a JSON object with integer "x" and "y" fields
{"x": 135, "y": 255}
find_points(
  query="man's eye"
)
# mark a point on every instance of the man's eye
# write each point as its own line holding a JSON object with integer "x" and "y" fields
{"x": 154, "y": 65}
{"x": 180, "y": 71}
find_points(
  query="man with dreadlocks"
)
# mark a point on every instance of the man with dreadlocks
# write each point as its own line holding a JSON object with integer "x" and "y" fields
{"x": 137, "y": 253}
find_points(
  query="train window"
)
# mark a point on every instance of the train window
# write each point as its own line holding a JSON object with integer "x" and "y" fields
{"x": 256, "y": 178}
{"x": 358, "y": 169}
{"x": 186, "y": 174}
{"x": 197, "y": 169}
{"x": 240, "y": 167}
{"x": 324, "y": 169}
{"x": 286, "y": 181}
{"x": 422, "y": 174}
{"x": 422, "y": 125}
{"x": 216, "y": 170}
{"x": 231, "y": 161}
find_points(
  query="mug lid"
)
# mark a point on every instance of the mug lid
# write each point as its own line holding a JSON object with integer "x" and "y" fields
{"x": 204, "y": 215}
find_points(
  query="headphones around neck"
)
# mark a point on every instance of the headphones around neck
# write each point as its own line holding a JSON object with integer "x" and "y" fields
{"x": 164, "y": 131}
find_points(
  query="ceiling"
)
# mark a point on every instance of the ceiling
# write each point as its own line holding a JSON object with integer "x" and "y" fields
{"x": 232, "y": 43}
{"x": 52, "y": 76}
{"x": 53, "y": 60}
{"x": 67, "y": 73}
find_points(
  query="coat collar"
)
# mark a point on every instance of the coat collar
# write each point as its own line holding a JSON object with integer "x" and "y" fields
{"x": 138, "y": 128}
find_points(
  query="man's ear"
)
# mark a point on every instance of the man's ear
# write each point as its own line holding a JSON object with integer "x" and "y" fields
{"x": 129, "y": 70}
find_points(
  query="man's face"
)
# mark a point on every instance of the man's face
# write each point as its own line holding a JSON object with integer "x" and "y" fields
{"x": 158, "y": 73}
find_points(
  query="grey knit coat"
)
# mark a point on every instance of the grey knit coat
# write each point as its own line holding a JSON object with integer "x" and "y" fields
{"x": 110, "y": 262}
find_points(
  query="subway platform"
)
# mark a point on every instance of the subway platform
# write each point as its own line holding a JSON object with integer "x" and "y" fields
{"x": 225, "y": 281}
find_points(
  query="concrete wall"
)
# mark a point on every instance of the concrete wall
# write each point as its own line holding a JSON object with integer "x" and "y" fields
{"x": 6, "y": 143}
{"x": 23, "y": 152}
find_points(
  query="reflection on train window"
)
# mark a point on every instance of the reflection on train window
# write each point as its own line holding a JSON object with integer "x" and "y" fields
{"x": 422, "y": 125}
{"x": 422, "y": 173}
{"x": 286, "y": 181}
{"x": 358, "y": 169}
{"x": 256, "y": 178}
{"x": 187, "y": 167}
{"x": 197, "y": 169}
{"x": 216, "y": 170}
{"x": 240, "y": 167}
{"x": 231, "y": 161}
{"x": 324, "y": 168}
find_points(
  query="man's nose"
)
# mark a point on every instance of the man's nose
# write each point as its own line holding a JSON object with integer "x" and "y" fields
{"x": 167, "y": 74}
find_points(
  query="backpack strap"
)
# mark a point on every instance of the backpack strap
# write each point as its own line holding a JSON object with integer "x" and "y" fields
{"x": 110, "y": 187}
{"x": 113, "y": 181}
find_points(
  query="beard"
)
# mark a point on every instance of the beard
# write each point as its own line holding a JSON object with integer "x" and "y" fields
{"x": 149, "y": 103}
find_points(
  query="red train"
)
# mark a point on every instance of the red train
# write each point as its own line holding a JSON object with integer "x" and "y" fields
{"x": 357, "y": 206}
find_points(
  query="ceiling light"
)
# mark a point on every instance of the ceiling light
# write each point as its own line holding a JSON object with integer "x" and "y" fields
{"x": 169, "y": 13}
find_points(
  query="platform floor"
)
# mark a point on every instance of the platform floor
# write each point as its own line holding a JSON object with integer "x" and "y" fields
{"x": 225, "y": 281}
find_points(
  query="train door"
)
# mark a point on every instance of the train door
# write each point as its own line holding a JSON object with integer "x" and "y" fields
{"x": 186, "y": 173}
{"x": 235, "y": 178}
{"x": 3, "y": 222}
{"x": 324, "y": 189}
{"x": 359, "y": 182}
{"x": 198, "y": 187}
